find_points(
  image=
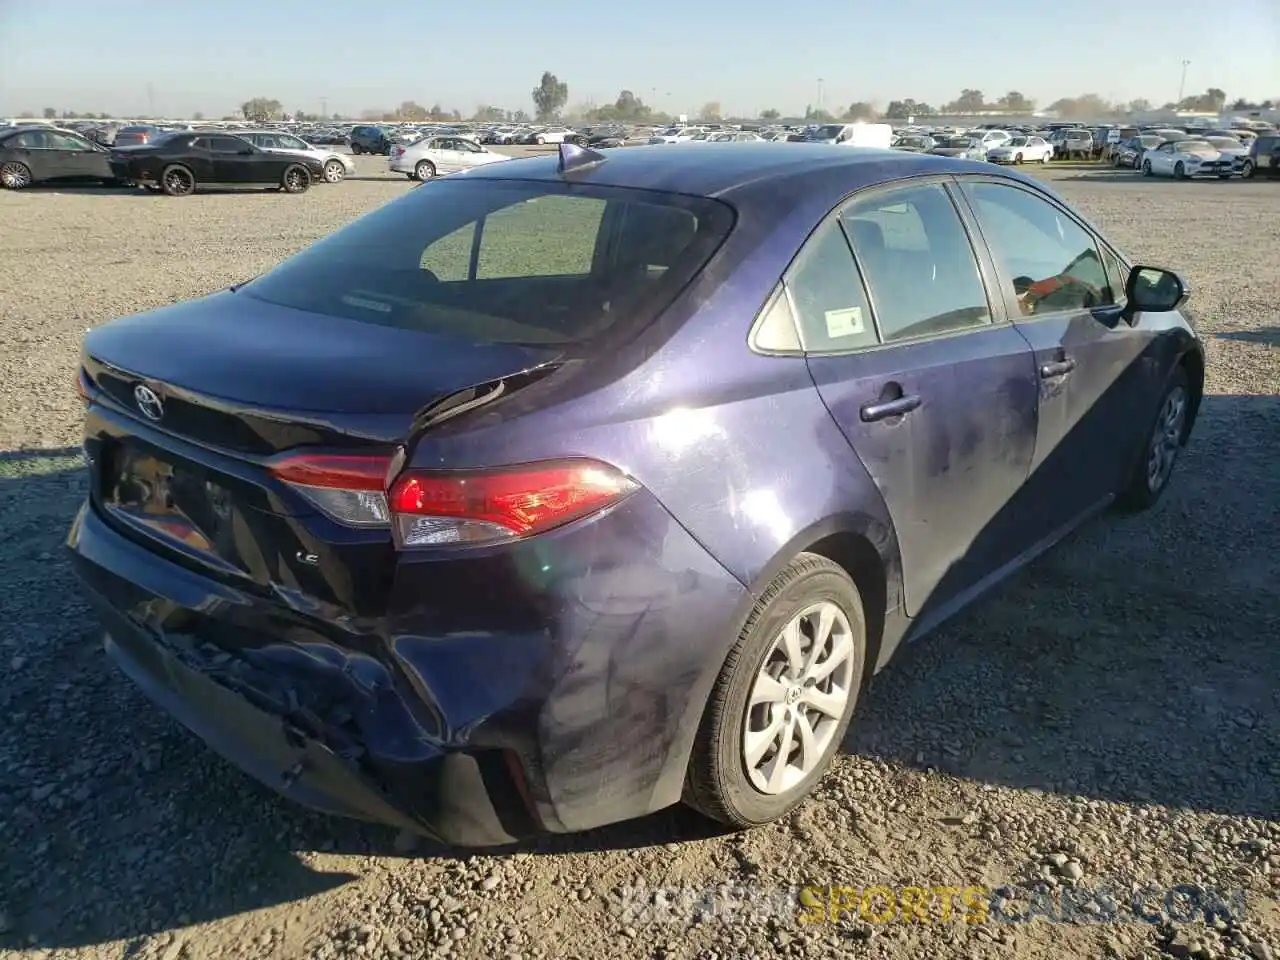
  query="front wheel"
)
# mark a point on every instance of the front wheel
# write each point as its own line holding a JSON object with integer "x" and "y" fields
{"x": 1146, "y": 168}
{"x": 425, "y": 170}
{"x": 1017, "y": 158}
{"x": 1045, "y": 157}
{"x": 1180, "y": 171}
{"x": 296, "y": 179}
{"x": 1246, "y": 170}
{"x": 1165, "y": 440}
{"x": 356, "y": 149}
{"x": 540, "y": 141}
{"x": 15, "y": 175}
{"x": 334, "y": 171}
{"x": 784, "y": 697}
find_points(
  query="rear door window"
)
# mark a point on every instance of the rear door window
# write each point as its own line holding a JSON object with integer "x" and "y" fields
{"x": 919, "y": 265}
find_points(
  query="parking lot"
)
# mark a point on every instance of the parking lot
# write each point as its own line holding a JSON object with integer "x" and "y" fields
{"x": 1114, "y": 707}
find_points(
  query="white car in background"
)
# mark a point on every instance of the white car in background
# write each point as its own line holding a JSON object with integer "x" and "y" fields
{"x": 1183, "y": 159}
{"x": 989, "y": 139}
{"x": 1022, "y": 150}
{"x": 337, "y": 166}
{"x": 439, "y": 156}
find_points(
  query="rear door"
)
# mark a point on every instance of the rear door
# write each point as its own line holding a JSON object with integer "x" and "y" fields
{"x": 1053, "y": 276}
{"x": 931, "y": 387}
{"x": 35, "y": 149}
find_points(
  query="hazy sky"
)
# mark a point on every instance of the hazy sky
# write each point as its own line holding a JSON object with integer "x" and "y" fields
{"x": 749, "y": 55}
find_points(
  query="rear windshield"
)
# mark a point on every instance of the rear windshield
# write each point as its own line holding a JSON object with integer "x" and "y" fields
{"x": 506, "y": 261}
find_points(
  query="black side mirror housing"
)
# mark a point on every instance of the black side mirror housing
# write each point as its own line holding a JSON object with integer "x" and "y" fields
{"x": 1153, "y": 290}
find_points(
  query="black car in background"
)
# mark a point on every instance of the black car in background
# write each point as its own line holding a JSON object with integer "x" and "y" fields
{"x": 42, "y": 154}
{"x": 179, "y": 163}
{"x": 1263, "y": 159}
{"x": 370, "y": 139}
{"x": 134, "y": 134}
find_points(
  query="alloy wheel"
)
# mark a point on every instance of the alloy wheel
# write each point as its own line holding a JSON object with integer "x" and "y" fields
{"x": 295, "y": 180}
{"x": 799, "y": 698}
{"x": 15, "y": 176}
{"x": 1166, "y": 438}
{"x": 178, "y": 182}
{"x": 334, "y": 171}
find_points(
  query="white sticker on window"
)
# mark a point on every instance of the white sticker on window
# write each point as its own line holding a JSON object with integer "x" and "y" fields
{"x": 844, "y": 323}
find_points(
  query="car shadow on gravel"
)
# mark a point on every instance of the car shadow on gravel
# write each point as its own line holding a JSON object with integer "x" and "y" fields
{"x": 1268, "y": 336}
{"x": 1130, "y": 665}
{"x": 1134, "y": 663}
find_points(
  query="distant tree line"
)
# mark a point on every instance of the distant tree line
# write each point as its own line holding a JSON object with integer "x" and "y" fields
{"x": 551, "y": 95}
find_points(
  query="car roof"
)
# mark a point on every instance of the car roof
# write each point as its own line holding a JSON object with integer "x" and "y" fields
{"x": 738, "y": 170}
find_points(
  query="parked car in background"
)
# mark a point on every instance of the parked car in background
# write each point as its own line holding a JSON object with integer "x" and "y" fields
{"x": 181, "y": 163}
{"x": 1129, "y": 153}
{"x": 1022, "y": 150}
{"x": 1072, "y": 144}
{"x": 458, "y": 503}
{"x": 1187, "y": 158}
{"x": 44, "y": 154}
{"x": 133, "y": 134}
{"x": 1263, "y": 159}
{"x": 989, "y": 139}
{"x": 437, "y": 156}
{"x": 369, "y": 139}
{"x": 961, "y": 148}
{"x": 1228, "y": 147}
{"x": 336, "y": 166}
{"x": 914, "y": 143}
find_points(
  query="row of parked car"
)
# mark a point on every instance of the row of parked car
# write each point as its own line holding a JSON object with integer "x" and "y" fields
{"x": 175, "y": 162}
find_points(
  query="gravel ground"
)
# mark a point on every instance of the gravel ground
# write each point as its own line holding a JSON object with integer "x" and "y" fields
{"x": 1108, "y": 721}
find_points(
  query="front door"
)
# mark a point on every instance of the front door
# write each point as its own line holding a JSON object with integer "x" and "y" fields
{"x": 233, "y": 160}
{"x": 1062, "y": 297}
{"x": 932, "y": 389}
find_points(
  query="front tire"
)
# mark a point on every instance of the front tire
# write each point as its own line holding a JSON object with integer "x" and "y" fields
{"x": 783, "y": 700}
{"x": 295, "y": 179}
{"x": 15, "y": 175}
{"x": 425, "y": 170}
{"x": 356, "y": 149}
{"x": 1153, "y": 467}
{"x": 334, "y": 171}
{"x": 1146, "y": 168}
{"x": 1246, "y": 170}
{"x": 1179, "y": 171}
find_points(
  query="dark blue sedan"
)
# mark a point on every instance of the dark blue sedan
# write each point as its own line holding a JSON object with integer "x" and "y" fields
{"x": 557, "y": 492}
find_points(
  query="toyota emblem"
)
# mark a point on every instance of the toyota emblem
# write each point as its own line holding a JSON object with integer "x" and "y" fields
{"x": 148, "y": 402}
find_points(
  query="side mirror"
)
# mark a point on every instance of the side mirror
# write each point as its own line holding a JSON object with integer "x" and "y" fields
{"x": 1153, "y": 290}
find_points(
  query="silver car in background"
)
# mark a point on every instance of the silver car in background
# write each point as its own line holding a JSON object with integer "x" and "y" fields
{"x": 337, "y": 166}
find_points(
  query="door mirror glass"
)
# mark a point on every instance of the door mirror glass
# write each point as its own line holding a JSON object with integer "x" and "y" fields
{"x": 1154, "y": 289}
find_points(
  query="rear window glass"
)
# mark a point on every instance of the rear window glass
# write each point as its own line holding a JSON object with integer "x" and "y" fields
{"x": 506, "y": 261}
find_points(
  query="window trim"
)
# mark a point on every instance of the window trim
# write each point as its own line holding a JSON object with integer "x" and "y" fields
{"x": 1004, "y": 284}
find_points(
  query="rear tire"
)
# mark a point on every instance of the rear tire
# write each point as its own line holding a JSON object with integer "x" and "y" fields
{"x": 424, "y": 170}
{"x": 177, "y": 180}
{"x": 1163, "y": 441}
{"x": 295, "y": 179}
{"x": 356, "y": 149}
{"x": 15, "y": 175}
{"x": 764, "y": 700}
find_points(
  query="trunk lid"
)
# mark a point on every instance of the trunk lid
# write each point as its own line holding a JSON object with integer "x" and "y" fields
{"x": 198, "y": 398}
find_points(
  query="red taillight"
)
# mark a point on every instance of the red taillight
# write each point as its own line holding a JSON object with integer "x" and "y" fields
{"x": 436, "y": 508}
{"x": 349, "y": 488}
{"x": 432, "y": 508}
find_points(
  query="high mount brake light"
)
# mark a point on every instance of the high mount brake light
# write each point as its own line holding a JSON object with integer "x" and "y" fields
{"x": 437, "y": 508}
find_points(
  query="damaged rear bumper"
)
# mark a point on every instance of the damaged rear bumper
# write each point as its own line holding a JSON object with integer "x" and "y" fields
{"x": 559, "y": 705}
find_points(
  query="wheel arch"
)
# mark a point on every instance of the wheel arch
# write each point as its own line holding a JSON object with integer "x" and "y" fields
{"x": 1192, "y": 362}
{"x": 865, "y": 548}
